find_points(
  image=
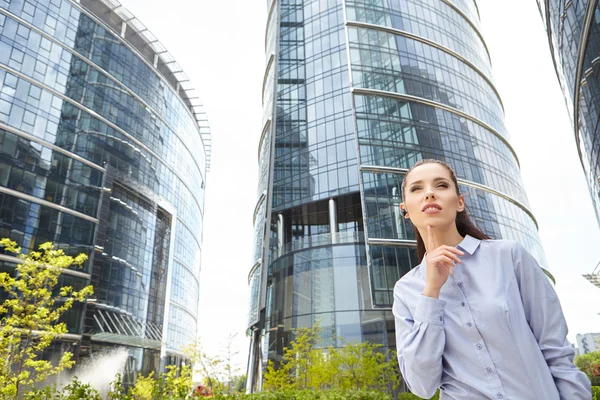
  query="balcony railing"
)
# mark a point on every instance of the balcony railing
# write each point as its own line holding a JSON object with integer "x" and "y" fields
{"x": 323, "y": 239}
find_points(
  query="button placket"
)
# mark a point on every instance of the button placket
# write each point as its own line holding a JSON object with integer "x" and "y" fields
{"x": 464, "y": 310}
{"x": 472, "y": 332}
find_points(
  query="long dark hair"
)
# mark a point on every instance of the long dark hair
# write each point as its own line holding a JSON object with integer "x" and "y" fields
{"x": 464, "y": 225}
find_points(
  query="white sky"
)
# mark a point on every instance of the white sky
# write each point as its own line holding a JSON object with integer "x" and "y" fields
{"x": 220, "y": 45}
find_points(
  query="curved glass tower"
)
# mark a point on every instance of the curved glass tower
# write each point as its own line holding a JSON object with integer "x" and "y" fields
{"x": 355, "y": 92}
{"x": 104, "y": 150}
{"x": 573, "y": 29}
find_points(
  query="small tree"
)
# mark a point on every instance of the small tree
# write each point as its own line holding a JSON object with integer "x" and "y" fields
{"x": 296, "y": 369}
{"x": 177, "y": 382}
{"x": 363, "y": 366}
{"x": 29, "y": 316}
{"x": 239, "y": 383}
{"x": 230, "y": 369}
{"x": 208, "y": 366}
{"x": 277, "y": 378}
{"x": 590, "y": 364}
{"x": 144, "y": 388}
{"x": 300, "y": 356}
{"x": 360, "y": 366}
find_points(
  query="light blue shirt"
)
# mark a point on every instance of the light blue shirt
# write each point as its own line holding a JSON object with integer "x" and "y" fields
{"x": 497, "y": 330}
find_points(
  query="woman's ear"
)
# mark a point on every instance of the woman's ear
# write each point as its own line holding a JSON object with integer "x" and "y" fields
{"x": 404, "y": 211}
{"x": 461, "y": 203}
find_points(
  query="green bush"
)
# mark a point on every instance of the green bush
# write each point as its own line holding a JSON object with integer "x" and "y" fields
{"x": 335, "y": 394}
{"x": 73, "y": 391}
{"x": 306, "y": 364}
{"x": 595, "y": 392}
{"x": 308, "y": 395}
{"x": 410, "y": 396}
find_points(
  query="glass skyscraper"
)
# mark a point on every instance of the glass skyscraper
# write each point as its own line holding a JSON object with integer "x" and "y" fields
{"x": 573, "y": 29}
{"x": 354, "y": 93}
{"x": 104, "y": 150}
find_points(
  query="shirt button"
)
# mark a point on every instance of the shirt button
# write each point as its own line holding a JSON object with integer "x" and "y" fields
{"x": 500, "y": 396}
{"x": 441, "y": 319}
{"x": 488, "y": 370}
{"x": 479, "y": 346}
{"x": 469, "y": 324}
{"x": 460, "y": 285}
{"x": 463, "y": 303}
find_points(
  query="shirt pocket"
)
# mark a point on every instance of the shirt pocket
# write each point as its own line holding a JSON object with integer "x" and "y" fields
{"x": 489, "y": 310}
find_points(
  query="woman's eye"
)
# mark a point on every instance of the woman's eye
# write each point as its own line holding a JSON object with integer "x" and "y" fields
{"x": 414, "y": 188}
{"x": 444, "y": 185}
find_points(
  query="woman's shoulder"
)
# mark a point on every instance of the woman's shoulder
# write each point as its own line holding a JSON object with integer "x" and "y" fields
{"x": 506, "y": 250}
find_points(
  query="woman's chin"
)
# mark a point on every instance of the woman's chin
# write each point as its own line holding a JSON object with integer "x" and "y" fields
{"x": 434, "y": 221}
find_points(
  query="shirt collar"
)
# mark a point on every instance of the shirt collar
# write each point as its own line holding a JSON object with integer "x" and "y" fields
{"x": 468, "y": 244}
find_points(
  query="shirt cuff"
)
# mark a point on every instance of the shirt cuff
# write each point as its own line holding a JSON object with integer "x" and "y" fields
{"x": 430, "y": 310}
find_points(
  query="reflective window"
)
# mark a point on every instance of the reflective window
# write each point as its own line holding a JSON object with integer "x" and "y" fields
{"x": 327, "y": 287}
{"x": 128, "y": 142}
{"x": 96, "y": 91}
{"x": 397, "y": 133}
{"x": 68, "y": 127}
{"x": 567, "y": 20}
{"x": 30, "y": 224}
{"x": 433, "y": 20}
{"x": 383, "y": 61}
{"x": 496, "y": 216}
{"x": 589, "y": 109}
{"x": 567, "y": 24}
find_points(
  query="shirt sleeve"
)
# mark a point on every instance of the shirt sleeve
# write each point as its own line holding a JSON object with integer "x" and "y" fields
{"x": 547, "y": 322}
{"x": 420, "y": 340}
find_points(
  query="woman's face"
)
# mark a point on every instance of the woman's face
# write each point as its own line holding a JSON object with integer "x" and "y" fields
{"x": 430, "y": 197}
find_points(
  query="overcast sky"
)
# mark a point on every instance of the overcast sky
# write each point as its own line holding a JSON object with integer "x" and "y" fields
{"x": 220, "y": 45}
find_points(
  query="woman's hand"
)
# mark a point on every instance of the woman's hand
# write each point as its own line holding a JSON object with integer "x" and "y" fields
{"x": 440, "y": 262}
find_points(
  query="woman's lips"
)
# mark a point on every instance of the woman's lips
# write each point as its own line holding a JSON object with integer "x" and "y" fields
{"x": 432, "y": 208}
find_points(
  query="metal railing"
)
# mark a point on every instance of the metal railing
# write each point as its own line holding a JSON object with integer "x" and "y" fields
{"x": 323, "y": 239}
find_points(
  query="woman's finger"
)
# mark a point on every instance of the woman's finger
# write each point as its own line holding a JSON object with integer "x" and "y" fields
{"x": 442, "y": 260}
{"x": 452, "y": 249}
{"x": 452, "y": 256}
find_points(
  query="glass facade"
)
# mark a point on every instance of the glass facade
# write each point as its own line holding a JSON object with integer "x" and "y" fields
{"x": 104, "y": 151}
{"x": 574, "y": 36}
{"x": 355, "y": 92}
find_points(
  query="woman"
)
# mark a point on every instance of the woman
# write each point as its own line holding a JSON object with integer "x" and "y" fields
{"x": 478, "y": 318}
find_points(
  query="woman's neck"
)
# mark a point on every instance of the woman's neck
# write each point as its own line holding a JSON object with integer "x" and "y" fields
{"x": 448, "y": 237}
